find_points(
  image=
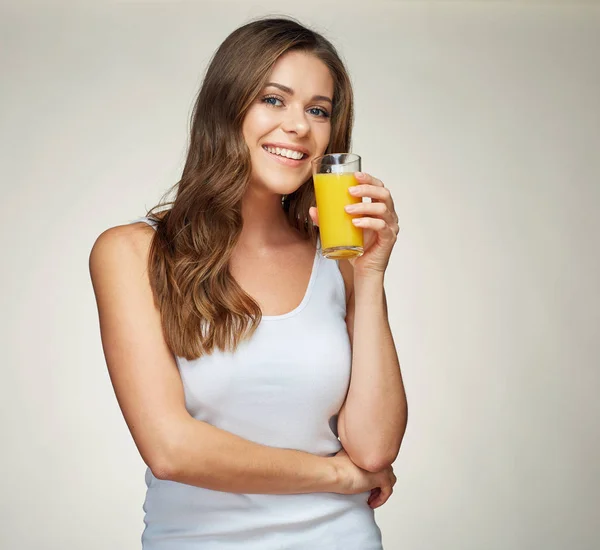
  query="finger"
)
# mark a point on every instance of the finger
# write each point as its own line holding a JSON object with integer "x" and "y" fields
{"x": 376, "y": 224}
{"x": 363, "y": 177}
{"x": 374, "y": 494}
{"x": 374, "y": 192}
{"x": 384, "y": 499}
{"x": 370, "y": 190}
{"x": 314, "y": 214}
{"x": 384, "y": 495}
{"x": 378, "y": 209}
{"x": 379, "y": 499}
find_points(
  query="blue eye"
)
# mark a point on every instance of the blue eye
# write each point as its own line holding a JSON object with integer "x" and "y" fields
{"x": 324, "y": 114}
{"x": 266, "y": 100}
{"x": 270, "y": 100}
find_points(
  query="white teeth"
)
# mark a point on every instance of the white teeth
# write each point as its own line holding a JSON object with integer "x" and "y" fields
{"x": 297, "y": 155}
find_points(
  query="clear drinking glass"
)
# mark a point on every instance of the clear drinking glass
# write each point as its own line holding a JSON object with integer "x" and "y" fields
{"x": 332, "y": 175}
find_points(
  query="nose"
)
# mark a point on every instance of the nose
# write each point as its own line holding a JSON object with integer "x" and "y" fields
{"x": 295, "y": 121}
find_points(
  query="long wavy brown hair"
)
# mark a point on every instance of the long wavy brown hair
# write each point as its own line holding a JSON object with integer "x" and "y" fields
{"x": 201, "y": 304}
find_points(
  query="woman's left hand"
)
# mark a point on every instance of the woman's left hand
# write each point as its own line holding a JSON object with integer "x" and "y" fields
{"x": 379, "y": 222}
{"x": 377, "y": 219}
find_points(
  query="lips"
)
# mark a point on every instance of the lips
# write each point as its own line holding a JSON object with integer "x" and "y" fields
{"x": 284, "y": 160}
{"x": 289, "y": 146}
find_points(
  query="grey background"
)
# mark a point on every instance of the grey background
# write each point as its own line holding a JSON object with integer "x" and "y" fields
{"x": 483, "y": 118}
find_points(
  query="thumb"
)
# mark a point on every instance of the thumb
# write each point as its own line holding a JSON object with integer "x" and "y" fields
{"x": 314, "y": 214}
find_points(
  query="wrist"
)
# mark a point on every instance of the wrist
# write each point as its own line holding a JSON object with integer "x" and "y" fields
{"x": 371, "y": 284}
{"x": 336, "y": 476}
{"x": 368, "y": 276}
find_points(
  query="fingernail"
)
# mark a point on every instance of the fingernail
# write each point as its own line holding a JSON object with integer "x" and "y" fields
{"x": 359, "y": 174}
{"x": 352, "y": 190}
{"x": 349, "y": 208}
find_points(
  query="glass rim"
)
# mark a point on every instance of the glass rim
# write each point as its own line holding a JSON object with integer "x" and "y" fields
{"x": 353, "y": 158}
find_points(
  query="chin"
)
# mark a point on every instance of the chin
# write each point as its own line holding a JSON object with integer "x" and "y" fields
{"x": 279, "y": 182}
{"x": 279, "y": 187}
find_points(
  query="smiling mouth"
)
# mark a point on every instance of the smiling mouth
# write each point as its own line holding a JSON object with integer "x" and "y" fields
{"x": 304, "y": 155}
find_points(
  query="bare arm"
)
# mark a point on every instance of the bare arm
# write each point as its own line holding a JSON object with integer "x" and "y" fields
{"x": 373, "y": 419}
{"x": 149, "y": 390}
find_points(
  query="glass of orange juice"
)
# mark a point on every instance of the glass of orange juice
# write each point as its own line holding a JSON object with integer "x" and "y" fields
{"x": 332, "y": 175}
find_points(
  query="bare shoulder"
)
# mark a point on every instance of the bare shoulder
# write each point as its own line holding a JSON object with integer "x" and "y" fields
{"x": 118, "y": 265}
{"x": 122, "y": 241}
{"x": 347, "y": 272}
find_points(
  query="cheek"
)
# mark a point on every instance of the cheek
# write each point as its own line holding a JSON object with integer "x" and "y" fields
{"x": 258, "y": 123}
{"x": 322, "y": 136}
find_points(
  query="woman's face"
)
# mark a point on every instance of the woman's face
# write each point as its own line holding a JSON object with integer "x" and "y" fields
{"x": 292, "y": 112}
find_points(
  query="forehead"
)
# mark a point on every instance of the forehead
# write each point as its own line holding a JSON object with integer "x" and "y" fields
{"x": 305, "y": 73}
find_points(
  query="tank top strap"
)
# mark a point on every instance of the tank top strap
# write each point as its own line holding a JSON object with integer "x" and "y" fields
{"x": 329, "y": 292}
{"x": 146, "y": 220}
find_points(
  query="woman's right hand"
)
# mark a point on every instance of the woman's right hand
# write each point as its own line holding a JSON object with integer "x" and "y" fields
{"x": 354, "y": 480}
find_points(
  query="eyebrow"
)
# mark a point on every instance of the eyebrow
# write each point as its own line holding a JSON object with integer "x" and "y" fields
{"x": 291, "y": 92}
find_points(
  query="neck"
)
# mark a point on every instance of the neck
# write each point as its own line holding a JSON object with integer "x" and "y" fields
{"x": 265, "y": 223}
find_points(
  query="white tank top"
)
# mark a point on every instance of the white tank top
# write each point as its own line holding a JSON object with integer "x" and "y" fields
{"x": 283, "y": 388}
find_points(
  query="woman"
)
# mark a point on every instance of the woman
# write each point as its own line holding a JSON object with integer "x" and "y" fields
{"x": 228, "y": 337}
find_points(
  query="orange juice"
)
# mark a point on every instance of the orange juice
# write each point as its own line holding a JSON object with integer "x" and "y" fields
{"x": 340, "y": 238}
